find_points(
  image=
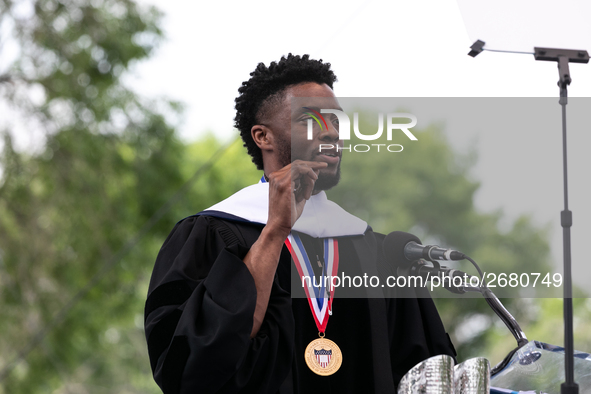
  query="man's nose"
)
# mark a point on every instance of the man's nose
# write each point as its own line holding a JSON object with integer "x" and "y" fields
{"x": 329, "y": 133}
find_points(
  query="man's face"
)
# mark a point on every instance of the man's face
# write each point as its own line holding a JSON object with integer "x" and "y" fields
{"x": 293, "y": 143}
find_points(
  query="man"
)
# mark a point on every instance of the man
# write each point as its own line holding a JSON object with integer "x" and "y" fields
{"x": 222, "y": 314}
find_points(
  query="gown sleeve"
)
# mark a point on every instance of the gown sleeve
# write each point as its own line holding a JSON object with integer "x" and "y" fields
{"x": 199, "y": 315}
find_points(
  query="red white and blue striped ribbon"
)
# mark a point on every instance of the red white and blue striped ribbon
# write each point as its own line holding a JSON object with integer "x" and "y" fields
{"x": 319, "y": 298}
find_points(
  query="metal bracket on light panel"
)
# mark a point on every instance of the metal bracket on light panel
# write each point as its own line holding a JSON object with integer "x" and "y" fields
{"x": 476, "y": 48}
{"x": 563, "y": 57}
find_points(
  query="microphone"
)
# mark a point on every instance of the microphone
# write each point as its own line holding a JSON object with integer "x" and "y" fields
{"x": 406, "y": 246}
{"x": 407, "y": 252}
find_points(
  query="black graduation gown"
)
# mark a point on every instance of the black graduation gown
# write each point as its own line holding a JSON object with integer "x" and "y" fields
{"x": 200, "y": 306}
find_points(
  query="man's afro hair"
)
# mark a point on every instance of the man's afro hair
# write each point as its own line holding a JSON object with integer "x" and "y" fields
{"x": 266, "y": 82}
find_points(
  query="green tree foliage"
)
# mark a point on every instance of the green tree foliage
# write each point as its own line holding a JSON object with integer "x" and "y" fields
{"x": 228, "y": 175}
{"x": 107, "y": 161}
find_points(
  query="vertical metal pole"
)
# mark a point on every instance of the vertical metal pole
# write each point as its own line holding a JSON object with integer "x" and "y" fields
{"x": 566, "y": 220}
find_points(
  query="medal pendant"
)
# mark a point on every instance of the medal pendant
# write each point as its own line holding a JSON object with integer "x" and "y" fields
{"x": 323, "y": 356}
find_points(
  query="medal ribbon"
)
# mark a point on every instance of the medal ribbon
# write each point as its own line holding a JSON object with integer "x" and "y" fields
{"x": 320, "y": 304}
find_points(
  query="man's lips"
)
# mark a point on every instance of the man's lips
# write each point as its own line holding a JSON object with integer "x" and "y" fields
{"x": 330, "y": 156}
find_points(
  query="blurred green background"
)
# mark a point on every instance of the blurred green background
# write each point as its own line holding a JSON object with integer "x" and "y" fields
{"x": 84, "y": 212}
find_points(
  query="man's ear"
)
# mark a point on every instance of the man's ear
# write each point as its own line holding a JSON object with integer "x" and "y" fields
{"x": 262, "y": 136}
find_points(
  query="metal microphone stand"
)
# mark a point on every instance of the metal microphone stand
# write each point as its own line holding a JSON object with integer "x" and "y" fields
{"x": 563, "y": 57}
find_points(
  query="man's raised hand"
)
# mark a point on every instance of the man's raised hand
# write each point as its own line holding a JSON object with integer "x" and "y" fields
{"x": 289, "y": 188}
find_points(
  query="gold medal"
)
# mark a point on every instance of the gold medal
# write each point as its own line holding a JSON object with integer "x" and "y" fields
{"x": 323, "y": 356}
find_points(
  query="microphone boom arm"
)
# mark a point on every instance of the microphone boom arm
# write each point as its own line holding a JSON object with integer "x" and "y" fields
{"x": 504, "y": 315}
